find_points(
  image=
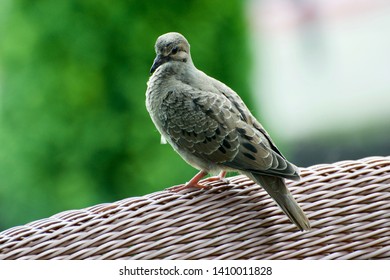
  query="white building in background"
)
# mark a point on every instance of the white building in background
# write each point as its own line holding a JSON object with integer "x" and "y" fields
{"x": 321, "y": 67}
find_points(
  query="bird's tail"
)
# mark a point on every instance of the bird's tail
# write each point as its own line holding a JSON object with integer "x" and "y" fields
{"x": 277, "y": 189}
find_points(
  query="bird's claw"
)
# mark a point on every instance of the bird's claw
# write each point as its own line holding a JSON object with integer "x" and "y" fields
{"x": 194, "y": 183}
{"x": 181, "y": 187}
{"x": 214, "y": 179}
{"x": 200, "y": 185}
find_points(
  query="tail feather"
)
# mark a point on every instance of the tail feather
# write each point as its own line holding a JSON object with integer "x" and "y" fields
{"x": 277, "y": 189}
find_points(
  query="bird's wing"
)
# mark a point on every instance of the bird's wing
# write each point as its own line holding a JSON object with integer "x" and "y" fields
{"x": 196, "y": 122}
{"x": 258, "y": 155}
{"x": 213, "y": 127}
{"x": 256, "y": 144}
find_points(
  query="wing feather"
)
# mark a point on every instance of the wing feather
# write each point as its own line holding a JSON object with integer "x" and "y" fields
{"x": 219, "y": 128}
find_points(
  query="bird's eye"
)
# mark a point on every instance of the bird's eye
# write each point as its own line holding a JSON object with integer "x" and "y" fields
{"x": 174, "y": 50}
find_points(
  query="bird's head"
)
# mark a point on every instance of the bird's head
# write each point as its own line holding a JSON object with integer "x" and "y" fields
{"x": 171, "y": 47}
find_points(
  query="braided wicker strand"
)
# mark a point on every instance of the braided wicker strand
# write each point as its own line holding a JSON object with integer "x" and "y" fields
{"x": 348, "y": 203}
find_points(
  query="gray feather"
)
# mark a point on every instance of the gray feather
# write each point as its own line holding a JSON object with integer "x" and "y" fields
{"x": 277, "y": 189}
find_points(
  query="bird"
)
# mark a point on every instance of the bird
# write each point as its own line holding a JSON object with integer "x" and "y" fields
{"x": 212, "y": 129}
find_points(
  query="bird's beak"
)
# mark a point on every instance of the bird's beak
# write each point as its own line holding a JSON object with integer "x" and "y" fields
{"x": 159, "y": 60}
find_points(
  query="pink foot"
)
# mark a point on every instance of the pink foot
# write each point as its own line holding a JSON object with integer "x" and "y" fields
{"x": 194, "y": 182}
{"x": 187, "y": 186}
{"x": 219, "y": 177}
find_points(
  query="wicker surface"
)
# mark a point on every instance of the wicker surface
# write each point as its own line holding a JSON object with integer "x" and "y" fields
{"x": 347, "y": 202}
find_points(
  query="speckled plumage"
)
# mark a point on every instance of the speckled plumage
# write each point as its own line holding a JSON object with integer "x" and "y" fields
{"x": 209, "y": 125}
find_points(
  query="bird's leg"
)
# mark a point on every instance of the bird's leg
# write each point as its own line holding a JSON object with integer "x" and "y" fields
{"x": 194, "y": 182}
{"x": 219, "y": 177}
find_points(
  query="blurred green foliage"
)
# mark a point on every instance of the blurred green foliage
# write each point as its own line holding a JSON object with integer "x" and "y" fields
{"x": 74, "y": 130}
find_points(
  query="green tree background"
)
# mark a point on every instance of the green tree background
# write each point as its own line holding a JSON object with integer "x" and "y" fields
{"x": 74, "y": 130}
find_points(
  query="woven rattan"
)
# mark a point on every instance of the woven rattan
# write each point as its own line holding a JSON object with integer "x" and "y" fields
{"x": 348, "y": 203}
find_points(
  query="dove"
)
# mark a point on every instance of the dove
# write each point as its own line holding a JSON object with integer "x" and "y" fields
{"x": 211, "y": 128}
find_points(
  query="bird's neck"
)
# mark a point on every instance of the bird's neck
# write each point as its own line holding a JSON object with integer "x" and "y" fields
{"x": 183, "y": 72}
